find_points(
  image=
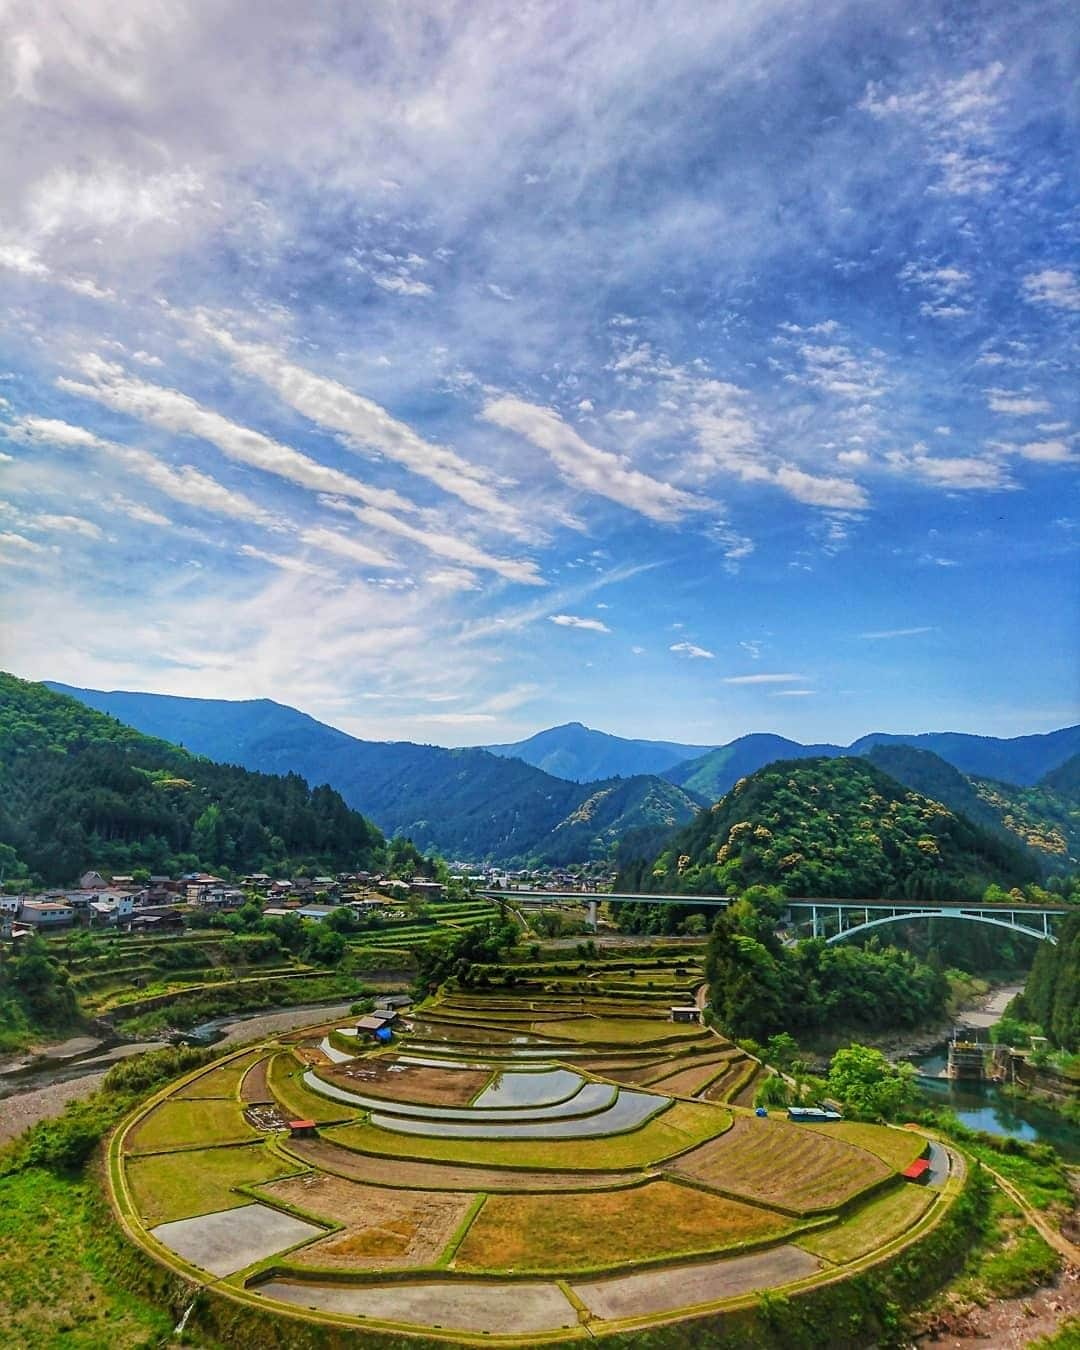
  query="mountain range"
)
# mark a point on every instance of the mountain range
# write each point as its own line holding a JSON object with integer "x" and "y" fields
{"x": 569, "y": 793}
{"x": 580, "y": 754}
{"x": 464, "y": 803}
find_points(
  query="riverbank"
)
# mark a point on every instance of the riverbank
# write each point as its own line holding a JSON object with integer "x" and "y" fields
{"x": 976, "y": 1013}
{"x": 28, "y": 1100}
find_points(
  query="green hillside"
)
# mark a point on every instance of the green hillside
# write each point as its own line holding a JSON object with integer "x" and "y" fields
{"x": 463, "y": 803}
{"x": 832, "y": 827}
{"x": 1040, "y": 818}
{"x": 80, "y": 789}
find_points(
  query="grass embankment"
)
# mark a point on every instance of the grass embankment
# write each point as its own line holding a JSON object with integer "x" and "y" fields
{"x": 248, "y": 995}
{"x": 871, "y": 1226}
{"x": 598, "y": 1229}
{"x": 168, "y": 1186}
{"x": 680, "y": 1127}
{"x": 60, "y": 1253}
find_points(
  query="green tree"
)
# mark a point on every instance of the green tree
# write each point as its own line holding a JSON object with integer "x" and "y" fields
{"x": 868, "y": 1086}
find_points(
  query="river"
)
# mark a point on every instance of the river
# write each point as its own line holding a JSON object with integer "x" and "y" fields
{"x": 41, "y": 1087}
{"x": 983, "y": 1106}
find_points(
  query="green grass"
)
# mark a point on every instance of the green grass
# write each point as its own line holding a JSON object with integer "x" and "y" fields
{"x": 285, "y": 1079}
{"x": 680, "y": 1127}
{"x": 224, "y": 1081}
{"x": 1012, "y": 1259}
{"x": 169, "y": 1186}
{"x": 60, "y": 1254}
{"x": 177, "y": 1123}
{"x": 877, "y": 1222}
{"x": 899, "y": 1148}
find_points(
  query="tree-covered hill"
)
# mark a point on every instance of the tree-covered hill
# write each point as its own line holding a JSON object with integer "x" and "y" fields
{"x": 464, "y": 803}
{"x": 80, "y": 789}
{"x": 1040, "y": 819}
{"x": 831, "y": 827}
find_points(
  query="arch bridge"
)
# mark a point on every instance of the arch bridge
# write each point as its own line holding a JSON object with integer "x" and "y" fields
{"x": 822, "y": 916}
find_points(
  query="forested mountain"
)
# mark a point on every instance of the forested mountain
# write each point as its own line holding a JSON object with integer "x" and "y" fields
{"x": 831, "y": 827}
{"x": 78, "y": 788}
{"x": 1024, "y": 760}
{"x": 462, "y": 803}
{"x": 717, "y": 771}
{"x": 1042, "y": 820}
{"x": 581, "y": 754}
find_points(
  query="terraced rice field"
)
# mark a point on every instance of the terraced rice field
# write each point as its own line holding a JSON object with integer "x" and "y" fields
{"x": 542, "y": 1234}
{"x": 169, "y": 1186}
{"x": 560, "y": 1138}
{"x": 778, "y": 1163}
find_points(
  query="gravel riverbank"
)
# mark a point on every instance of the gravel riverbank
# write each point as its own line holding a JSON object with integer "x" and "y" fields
{"x": 38, "y": 1102}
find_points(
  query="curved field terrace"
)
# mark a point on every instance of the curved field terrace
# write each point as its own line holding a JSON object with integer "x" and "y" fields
{"x": 461, "y": 1188}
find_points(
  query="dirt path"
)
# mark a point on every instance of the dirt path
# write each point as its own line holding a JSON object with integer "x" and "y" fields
{"x": 1057, "y": 1240}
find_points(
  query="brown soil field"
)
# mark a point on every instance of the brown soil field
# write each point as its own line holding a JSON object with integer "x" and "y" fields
{"x": 406, "y": 1174}
{"x": 745, "y": 1095}
{"x": 418, "y": 1083}
{"x": 778, "y": 1163}
{"x": 383, "y": 1228}
{"x": 718, "y": 1091}
{"x": 691, "y": 1078}
{"x": 581, "y": 1232}
{"x": 254, "y": 1088}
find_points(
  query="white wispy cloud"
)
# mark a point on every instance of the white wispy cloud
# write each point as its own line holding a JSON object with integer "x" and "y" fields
{"x": 960, "y": 473}
{"x": 693, "y": 651}
{"x": 366, "y": 427}
{"x": 792, "y": 693}
{"x": 285, "y": 562}
{"x": 575, "y": 621}
{"x": 344, "y": 546}
{"x": 1054, "y": 286}
{"x": 897, "y": 633}
{"x": 590, "y": 468}
{"x": 1014, "y": 404}
{"x": 957, "y": 118}
{"x": 454, "y": 547}
{"x": 185, "y": 484}
{"x": 64, "y": 524}
{"x": 764, "y": 679}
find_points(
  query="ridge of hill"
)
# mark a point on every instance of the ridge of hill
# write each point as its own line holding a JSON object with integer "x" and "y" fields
{"x": 464, "y": 803}
{"x": 837, "y": 827}
{"x": 1042, "y": 820}
{"x": 1022, "y": 760}
{"x": 582, "y": 754}
{"x": 81, "y": 789}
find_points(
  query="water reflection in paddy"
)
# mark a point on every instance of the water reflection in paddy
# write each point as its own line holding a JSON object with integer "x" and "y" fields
{"x": 529, "y": 1089}
{"x": 627, "y": 1112}
{"x": 588, "y": 1097}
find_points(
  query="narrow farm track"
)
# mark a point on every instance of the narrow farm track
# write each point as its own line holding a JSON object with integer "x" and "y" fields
{"x": 1069, "y": 1250}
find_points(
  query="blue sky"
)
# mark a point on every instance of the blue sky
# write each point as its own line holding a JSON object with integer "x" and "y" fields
{"x": 449, "y": 371}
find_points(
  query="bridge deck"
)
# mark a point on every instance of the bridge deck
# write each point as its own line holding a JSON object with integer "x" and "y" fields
{"x": 793, "y": 902}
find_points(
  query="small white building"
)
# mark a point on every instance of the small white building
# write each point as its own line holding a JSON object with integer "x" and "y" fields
{"x": 46, "y": 913}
